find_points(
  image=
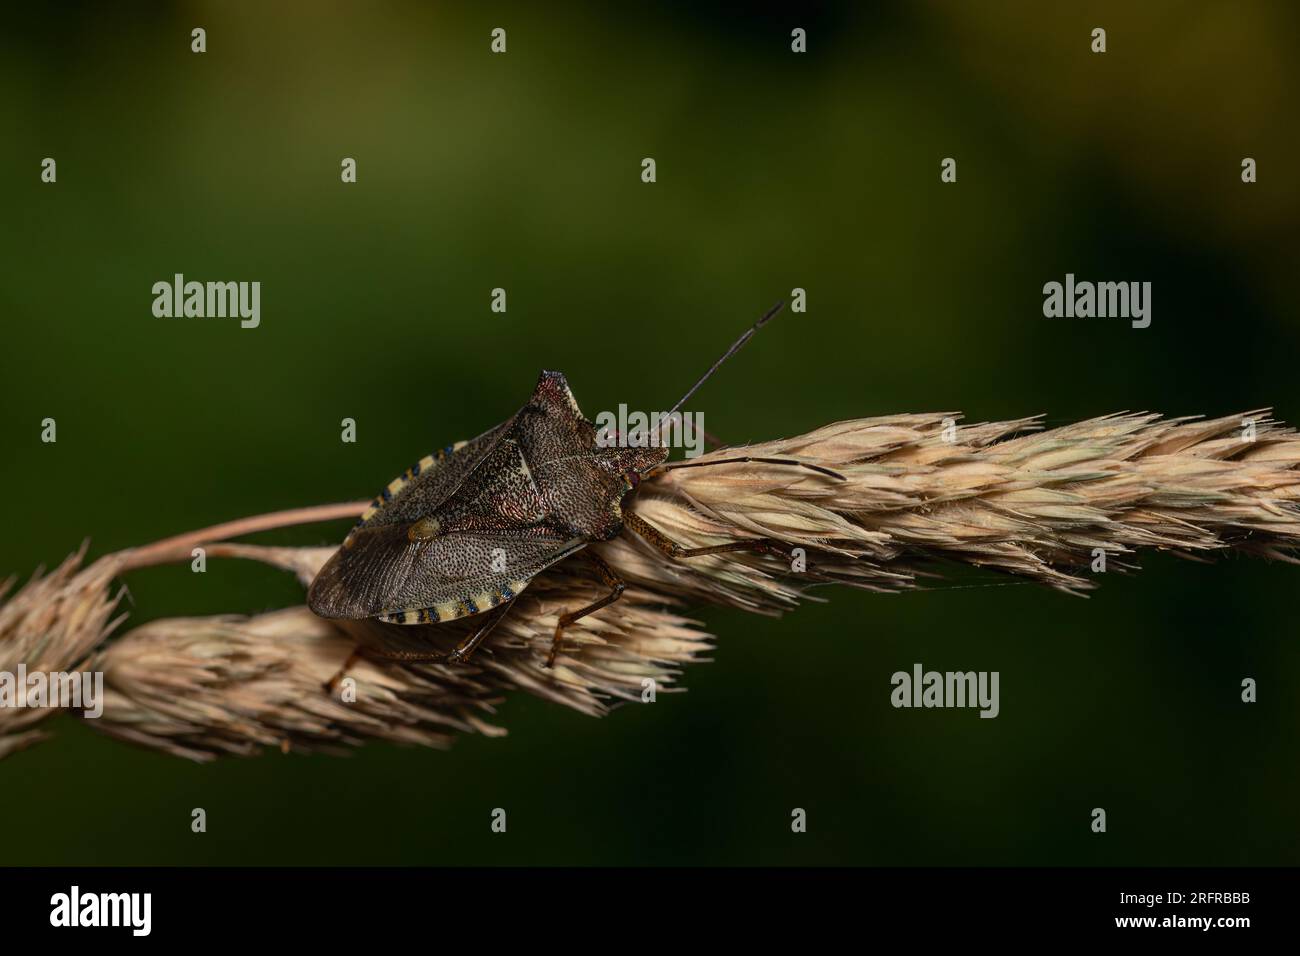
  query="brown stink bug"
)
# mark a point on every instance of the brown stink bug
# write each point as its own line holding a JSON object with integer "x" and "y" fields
{"x": 464, "y": 531}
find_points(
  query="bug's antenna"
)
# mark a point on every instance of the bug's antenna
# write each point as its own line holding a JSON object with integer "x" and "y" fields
{"x": 735, "y": 347}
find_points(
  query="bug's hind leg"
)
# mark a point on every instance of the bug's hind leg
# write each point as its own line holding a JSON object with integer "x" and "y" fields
{"x": 459, "y": 654}
{"x": 674, "y": 550}
{"x": 463, "y": 651}
{"x": 332, "y": 684}
{"x": 610, "y": 580}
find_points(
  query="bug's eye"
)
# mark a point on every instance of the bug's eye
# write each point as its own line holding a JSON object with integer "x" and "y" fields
{"x": 423, "y": 530}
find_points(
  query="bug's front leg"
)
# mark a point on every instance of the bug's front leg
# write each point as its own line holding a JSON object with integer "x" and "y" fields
{"x": 610, "y": 580}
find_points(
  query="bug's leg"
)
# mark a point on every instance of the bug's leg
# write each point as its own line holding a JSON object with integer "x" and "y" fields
{"x": 459, "y": 654}
{"x": 406, "y": 657}
{"x": 763, "y": 461}
{"x": 412, "y": 657}
{"x": 463, "y": 651}
{"x": 332, "y": 684}
{"x": 610, "y": 580}
{"x": 674, "y": 550}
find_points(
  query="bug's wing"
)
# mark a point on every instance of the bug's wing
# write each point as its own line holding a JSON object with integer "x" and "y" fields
{"x": 424, "y": 486}
{"x": 380, "y": 572}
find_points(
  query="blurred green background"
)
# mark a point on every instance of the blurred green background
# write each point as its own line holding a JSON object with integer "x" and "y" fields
{"x": 775, "y": 170}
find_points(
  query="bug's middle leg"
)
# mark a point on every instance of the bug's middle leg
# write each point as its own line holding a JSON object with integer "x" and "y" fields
{"x": 610, "y": 580}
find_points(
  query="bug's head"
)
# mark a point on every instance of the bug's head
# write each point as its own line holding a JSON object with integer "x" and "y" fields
{"x": 633, "y": 463}
{"x": 645, "y": 461}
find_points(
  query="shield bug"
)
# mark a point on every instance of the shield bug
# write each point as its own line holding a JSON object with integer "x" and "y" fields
{"x": 463, "y": 532}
